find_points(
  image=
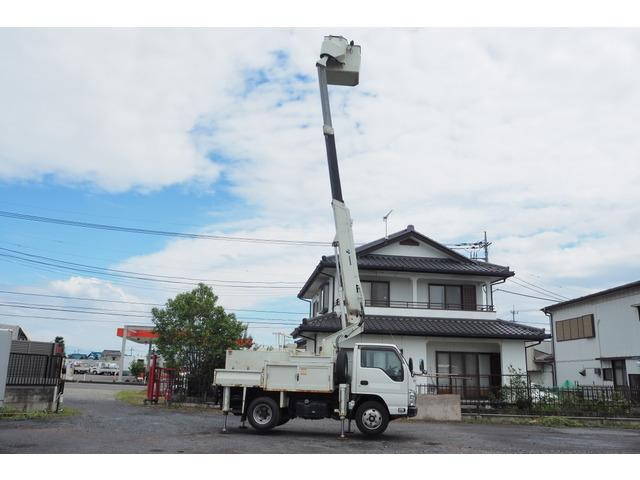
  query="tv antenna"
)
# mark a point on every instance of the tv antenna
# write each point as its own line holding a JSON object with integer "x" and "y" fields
{"x": 385, "y": 219}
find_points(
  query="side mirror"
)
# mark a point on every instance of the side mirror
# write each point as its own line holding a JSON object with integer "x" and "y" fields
{"x": 421, "y": 365}
{"x": 411, "y": 365}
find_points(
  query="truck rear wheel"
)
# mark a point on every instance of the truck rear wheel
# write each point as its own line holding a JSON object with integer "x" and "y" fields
{"x": 372, "y": 418}
{"x": 263, "y": 414}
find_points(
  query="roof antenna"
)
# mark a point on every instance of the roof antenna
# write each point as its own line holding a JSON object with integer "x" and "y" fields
{"x": 385, "y": 220}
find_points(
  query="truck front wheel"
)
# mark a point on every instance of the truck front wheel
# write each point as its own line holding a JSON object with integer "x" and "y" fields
{"x": 372, "y": 418}
{"x": 263, "y": 414}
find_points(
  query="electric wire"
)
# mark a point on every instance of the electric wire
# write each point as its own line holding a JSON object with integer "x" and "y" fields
{"x": 113, "y": 322}
{"x": 539, "y": 290}
{"x": 165, "y": 233}
{"x": 524, "y": 295}
{"x": 80, "y": 267}
{"x": 127, "y": 302}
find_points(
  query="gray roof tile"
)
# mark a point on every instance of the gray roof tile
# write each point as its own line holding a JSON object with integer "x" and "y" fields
{"x": 426, "y": 326}
{"x": 374, "y": 261}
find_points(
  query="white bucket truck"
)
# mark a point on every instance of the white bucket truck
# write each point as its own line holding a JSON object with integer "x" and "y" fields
{"x": 371, "y": 384}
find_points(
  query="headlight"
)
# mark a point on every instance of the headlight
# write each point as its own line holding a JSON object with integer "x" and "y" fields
{"x": 412, "y": 398}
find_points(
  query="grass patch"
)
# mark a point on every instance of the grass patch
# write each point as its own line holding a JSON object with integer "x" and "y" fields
{"x": 554, "y": 421}
{"x": 132, "y": 397}
{"x": 11, "y": 414}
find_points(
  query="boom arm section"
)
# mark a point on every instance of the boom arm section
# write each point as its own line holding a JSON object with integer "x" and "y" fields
{"x": 340, "y": 63}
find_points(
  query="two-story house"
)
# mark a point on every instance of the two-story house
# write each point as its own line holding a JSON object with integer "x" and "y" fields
{"x": 596, "y": 338}
{"x": 432, "y": 302}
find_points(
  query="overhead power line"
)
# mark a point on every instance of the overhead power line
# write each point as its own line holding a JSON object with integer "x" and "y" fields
{"x": 541, "y": 288}
{"x": 531, "y": 286}
{"x": 127, "y": 274}
{"x": 164, "y": 233}
{"x": 532, "y": 289}
{"x": 523, "y": 295}
{"x": 127, "y": 302}
{"x": 251, "y": 325}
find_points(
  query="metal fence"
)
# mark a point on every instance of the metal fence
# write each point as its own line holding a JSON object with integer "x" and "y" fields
{"x": 34, "y": 369}
{"x": 517, "y": 396}
{"x": 177, "y": 385}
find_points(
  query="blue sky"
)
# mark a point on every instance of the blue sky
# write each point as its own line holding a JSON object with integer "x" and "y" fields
{"x": 529, "y": 134}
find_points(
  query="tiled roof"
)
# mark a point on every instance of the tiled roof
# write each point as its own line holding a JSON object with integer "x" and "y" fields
{"x": 429, "y": 327}
{"x": 373, "y": 261}
{"x": 454, "y": 263}
{"x": 619, "y": 288}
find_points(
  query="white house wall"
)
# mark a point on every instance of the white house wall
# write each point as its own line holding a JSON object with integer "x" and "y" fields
{"x": 424, "y": 348}
{"x": 422, "y": 250}
{"x": 617, "y": 332}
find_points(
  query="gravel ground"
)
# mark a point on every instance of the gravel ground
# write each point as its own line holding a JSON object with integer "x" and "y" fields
{"x": 106, "y": 425}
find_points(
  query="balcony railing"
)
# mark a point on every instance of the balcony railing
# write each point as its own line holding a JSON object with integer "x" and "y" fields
{"x": 428, "y": 305}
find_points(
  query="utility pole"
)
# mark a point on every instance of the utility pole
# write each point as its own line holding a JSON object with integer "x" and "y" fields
{"x": 513, "y": 313}
{"x": 486, "y": 247}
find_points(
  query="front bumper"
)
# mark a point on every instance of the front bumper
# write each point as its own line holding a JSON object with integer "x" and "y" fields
{"x": 412, "y": 412}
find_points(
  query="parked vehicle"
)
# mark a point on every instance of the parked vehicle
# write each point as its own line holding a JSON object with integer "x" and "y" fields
{"x": 80, "y": 367}
{"x": 105, "y": 368}
{"x": 375, "y": 385}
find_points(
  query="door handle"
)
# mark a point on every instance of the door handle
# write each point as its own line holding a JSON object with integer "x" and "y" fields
{"x": 364, "y": 382}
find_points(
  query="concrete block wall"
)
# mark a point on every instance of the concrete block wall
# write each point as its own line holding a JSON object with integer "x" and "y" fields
{"x": 439, "y": 408}
{"x": 29, "y": 398}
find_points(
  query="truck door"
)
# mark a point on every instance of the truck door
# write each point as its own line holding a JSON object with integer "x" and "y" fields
{"x": 380, "y": 371}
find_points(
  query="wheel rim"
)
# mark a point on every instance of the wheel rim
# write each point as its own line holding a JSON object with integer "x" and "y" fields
{"x": 262, "y": 414}
{"x": 372, "y": 418}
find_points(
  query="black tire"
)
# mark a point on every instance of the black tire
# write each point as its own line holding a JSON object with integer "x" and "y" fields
{"x": 342, "y": 368}
{"x": 263, "y": 414}
{"x": 372, "y": 418}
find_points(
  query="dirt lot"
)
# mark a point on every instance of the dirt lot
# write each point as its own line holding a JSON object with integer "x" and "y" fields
{"x": 106, "y": 425}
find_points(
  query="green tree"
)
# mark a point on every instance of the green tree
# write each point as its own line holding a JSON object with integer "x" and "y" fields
{"x": 194, "y": 333}
{"x": 137, "y": 368}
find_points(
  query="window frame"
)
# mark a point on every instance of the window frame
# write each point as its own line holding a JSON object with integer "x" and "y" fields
{"x": 446, "y": 305}
{"x": 323, "y": 300}
{"x": 469, "y": 391}
{"x": 383, "y": 349}
{"x": 575, "y": 328}
{"x": 377, "y": 303}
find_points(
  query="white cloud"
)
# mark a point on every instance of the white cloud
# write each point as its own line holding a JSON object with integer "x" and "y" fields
{"x": 528, "y": 134}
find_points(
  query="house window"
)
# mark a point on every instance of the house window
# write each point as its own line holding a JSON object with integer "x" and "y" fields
{"x": 324, "y": 298}
{"x": 452, "y": 297}
{"x": 436, "y": 296}
{"x": 471, "y": 374}
{"x": 575, "y": 328}
{"x": 376, "y": 294}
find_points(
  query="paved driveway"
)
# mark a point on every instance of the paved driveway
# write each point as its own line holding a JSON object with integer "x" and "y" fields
{"x": 108, "y": 426}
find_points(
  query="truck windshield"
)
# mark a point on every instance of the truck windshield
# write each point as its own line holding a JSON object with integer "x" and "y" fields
{"x": 386, "y": 359}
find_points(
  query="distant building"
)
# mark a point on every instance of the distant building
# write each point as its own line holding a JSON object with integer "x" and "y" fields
{"x": 17, "y": 333}
{"x": 110, "y": 356}
{"x": 596, "y": 338}
{"x": 540, "y": 363}
{"x": 77, "y": 356}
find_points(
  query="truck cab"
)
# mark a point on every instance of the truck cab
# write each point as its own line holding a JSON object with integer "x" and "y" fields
{"x": 381, "y": 371}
